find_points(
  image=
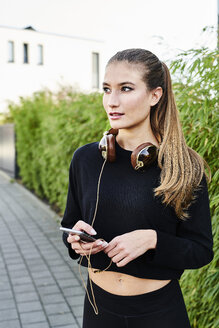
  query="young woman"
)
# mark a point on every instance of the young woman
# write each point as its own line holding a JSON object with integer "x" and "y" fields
{"x": 144, "y": 192}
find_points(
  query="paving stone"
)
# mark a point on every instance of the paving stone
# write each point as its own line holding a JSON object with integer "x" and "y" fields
{"x": 36, "y": 263}
{"x": 47, "y": 290}
{"x": 3, "y": 272}
{"x": 63, "y": 275}
{"x": 80, "y": 321}
{"x": 6, "y": 294}
{"x": 75, "y": 300}
{"x": 14, "y": 260}
{"x": 4, "y": 284}
{"x": 58, "y": 308}
{"x": 24, "y": 288}
{"x": 68, "y": 282}
{"x": 2, "y": 265}
{"x": 7, "y": 249}
{"x": 19, "y": 273}
{"x": 21, "y": 280}
{"x": 29, "y": 306}
{"x": 43, "y": 281}
{"x": 38, "y": 325}
{"x": 68, "y": 326}
{"x": 7, "y": 304}
{"x": 32, "y": 317}
{"x": 78, "y": 311}
{"x": 25, "y": 297}
{"x": 61, "y": 319}
{"x": 31, "y": 256}
{"x": 52, "y": 298}
{"x": 56, "y": 262}
{"x": 37, "y": 267}
{"x": 42, "y": 274}
{"x": 4, "y": 279}
{"x": 8, "y": 314}
{"x": 60, "y": 268}
{"x": 73, "y": 291}
{"x": 13, "y": 267}
{"x": 10, "y": 324}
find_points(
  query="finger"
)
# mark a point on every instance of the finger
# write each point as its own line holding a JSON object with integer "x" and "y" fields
{"x": 115, "y": 251}
{"x": 76, "y": 246}
{"x": 72, "y": 238}
{"x": 119, "y": 257}
{"x": 79, "y": 247}
{"x": 99, "y": 243}
{"x": 90, "y": 251}
{"x": 123, "y": 262}
{"x": 112, "y": 244}
{"x": 81, "y": 225}
{"x": 93, "y": 249}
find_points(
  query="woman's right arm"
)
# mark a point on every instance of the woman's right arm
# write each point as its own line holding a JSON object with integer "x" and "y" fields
{"x": 72, "y": 210}
{"x": 72, "y": 219}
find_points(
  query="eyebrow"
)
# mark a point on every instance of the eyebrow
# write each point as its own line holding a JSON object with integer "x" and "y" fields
{"x": 120, "y": 84}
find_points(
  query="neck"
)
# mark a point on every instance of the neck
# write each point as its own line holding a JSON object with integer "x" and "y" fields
{"x": 131, "y": 138}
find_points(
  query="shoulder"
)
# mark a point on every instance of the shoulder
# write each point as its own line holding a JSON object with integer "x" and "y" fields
{"x": 86, "y": 151}
{"x": 201, "y": 187}
{"x": 200, "y": 199}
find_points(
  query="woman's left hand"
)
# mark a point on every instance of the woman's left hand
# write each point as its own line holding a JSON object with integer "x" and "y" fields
{"x": 125, "y": 248}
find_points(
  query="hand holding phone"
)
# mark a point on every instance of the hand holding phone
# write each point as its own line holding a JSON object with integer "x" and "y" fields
{"x": 88, "y": 247}
{"x": 84, "y": 230}
{"x": 84, "y": 237}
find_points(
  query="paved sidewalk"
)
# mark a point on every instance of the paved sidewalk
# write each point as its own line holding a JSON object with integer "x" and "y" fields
{"x": 40, "y": 286}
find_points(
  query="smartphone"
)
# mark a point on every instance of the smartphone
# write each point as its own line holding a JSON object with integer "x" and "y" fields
{"x": 83, "y": 235}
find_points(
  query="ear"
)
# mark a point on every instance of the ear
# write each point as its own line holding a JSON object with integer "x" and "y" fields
{"x": 156, "y": 94}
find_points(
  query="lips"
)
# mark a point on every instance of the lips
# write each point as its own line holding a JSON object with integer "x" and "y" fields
{"x": 115, "y": 114}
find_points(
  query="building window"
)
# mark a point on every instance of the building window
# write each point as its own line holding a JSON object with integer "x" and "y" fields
{"x": 40, "y": 54}
{"x": 10, "y": 51}
{"x": 26, "y": 57}
{"x": 95, "y": 70}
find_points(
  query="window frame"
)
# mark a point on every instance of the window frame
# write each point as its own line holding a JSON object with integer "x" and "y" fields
{"x": 95, "y": 70}
{"x": 40, "y": 54}
{"x": 25, "y": 53}
{"x": 11, "y": 56}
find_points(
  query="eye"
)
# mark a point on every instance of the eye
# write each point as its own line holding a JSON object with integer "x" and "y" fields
{"x": 106, "y": 90}
{"x": 126, "y": 89}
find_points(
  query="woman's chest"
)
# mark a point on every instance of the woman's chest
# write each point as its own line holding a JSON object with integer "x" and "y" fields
{"x": 122, "y": 201}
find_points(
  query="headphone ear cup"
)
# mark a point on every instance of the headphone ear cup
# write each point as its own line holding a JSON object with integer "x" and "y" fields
{"x": 111, "y": 149}
{"x": 107, "y": 147}
{"x": 144, "y": 155}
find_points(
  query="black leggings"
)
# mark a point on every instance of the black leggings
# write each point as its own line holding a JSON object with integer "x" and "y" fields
{"x": 162, "y": 308}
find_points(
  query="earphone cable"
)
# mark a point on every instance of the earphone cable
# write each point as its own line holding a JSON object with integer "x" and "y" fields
{"x": 94, "y": 305}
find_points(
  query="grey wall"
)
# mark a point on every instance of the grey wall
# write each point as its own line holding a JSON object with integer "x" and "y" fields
{"x": 7, "y": 149}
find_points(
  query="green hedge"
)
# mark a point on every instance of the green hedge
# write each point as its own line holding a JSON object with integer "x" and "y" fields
{"x": 50, "y": 127}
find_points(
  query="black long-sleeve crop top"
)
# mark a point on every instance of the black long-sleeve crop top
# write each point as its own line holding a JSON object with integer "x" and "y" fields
{"x": 127, "y": 203}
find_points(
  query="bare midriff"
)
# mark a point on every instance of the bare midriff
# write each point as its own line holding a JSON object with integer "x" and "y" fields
{"x": 124, "y": 284}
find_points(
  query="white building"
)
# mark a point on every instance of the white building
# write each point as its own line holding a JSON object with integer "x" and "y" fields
{"x": 32, "y": 60}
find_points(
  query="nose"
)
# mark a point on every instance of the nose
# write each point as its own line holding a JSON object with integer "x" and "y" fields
{"x": 113, "y": 100}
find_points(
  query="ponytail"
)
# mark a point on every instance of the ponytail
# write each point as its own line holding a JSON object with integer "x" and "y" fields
{"x": 182, "y": 168}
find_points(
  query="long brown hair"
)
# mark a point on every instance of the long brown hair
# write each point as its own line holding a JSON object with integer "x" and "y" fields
{"x": 181, "y": 167}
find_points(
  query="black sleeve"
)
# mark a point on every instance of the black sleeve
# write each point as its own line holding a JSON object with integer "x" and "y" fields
{"x": 192, "y": 246}
{"x": 72, "y": 210}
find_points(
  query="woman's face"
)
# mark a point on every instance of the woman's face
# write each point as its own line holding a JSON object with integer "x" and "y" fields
{"x": 126, "y": 99}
